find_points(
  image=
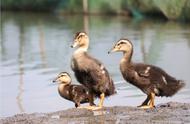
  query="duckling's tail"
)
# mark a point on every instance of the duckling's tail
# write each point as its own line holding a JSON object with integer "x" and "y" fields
{"x": 174, "y": 87}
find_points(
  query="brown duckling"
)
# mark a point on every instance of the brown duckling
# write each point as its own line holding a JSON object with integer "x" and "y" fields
{"x": 152, "y": 80}
{"x": 89, "y": 71}
{"x": 75, "y": 93}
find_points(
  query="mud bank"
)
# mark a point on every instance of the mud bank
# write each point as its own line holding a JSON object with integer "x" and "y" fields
{"x": 168, "y": 113}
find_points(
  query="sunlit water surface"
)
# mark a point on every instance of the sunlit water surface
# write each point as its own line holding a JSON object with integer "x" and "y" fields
{"x": 34, "y": 48}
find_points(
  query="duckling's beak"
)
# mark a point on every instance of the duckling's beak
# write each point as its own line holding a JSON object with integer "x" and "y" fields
{"x": 111, "y": 51}
{"x": 55, "y": 80}
{"x": 74, "y": 44}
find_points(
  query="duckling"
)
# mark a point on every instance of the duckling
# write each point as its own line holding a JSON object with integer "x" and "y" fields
{"x": 152, "y": 80}
{"x": 75, "y": 93}
{"x": 89, "y": 71}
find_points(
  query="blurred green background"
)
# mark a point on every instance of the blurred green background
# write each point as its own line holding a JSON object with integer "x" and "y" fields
{"x": 168, "y": 9}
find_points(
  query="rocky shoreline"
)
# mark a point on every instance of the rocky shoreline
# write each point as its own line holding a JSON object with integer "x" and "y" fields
{"x": 167, "y": 113}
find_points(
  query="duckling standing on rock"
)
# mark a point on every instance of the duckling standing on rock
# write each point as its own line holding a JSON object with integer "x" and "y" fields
{"x": 152, "y": 80}
{"x": 89, "y": 71}
{"x": 76, "y": 93}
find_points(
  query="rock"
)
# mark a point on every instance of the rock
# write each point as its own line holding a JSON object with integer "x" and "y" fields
{"x": 172, "y": 112}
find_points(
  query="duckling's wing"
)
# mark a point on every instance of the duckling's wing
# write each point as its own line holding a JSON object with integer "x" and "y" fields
{"x": 91, "y": 73}
{"x": 164, "y": 84}
{"x": 97, "y": 70}
{"x": 149, "y": 74}
{"x": 153, "y": 73}
{"x": 100, "y": 77}
{"x": 79, "y": 89}
{"x": 142, "y": 70}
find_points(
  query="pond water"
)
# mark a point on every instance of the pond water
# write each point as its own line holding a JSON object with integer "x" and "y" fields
{"x": 34, "y": 48}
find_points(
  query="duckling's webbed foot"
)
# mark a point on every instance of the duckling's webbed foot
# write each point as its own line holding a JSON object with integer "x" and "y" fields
{"x": 100, "y": 105}
{"x": 147, "y": 107}
{"x": 90, "y": 107}
{"x": 151, "y": 103}
{"x": 147, "y": 100}
{"x": 93, "y": 108}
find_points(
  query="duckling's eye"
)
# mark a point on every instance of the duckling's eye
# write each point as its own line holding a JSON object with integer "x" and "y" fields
{"x": 121, "y": 43}
{"x": 61, "y": 76}
{"x": 80, "y": 36}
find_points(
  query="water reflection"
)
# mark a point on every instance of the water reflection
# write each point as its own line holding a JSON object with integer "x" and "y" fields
{"x": 35, "y": 47}
{"x": 143, "y": 51}
{"x": 42, "y": 45}
{"x": 21, "y": 68}
{"x": 86, "y": 23}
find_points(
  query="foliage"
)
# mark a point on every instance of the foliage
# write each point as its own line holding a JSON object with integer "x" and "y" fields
{"x": 171, "y": 9}
{"x": 35, "y": 5}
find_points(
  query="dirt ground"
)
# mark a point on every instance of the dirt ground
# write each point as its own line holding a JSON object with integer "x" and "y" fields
{"x": 168, "y": 113}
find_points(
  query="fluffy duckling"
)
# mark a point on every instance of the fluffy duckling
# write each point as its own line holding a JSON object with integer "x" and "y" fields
{"x": 152, "y": 80}
{"x": 89, "y": 71}
{"x": 75, "y": 93}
